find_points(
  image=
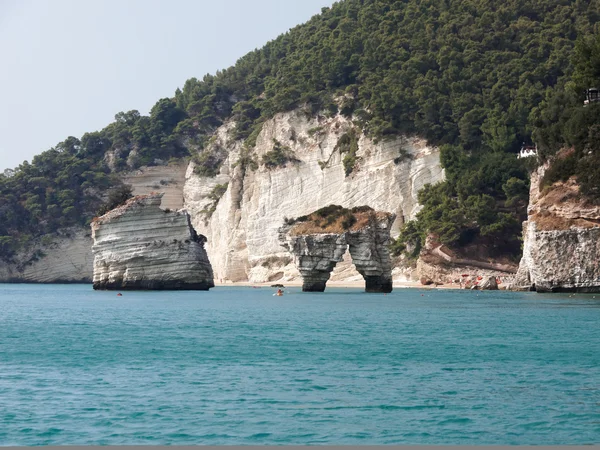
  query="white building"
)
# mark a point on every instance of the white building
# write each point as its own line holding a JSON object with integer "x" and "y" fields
{"x": 527, "y": 151}
{"x": 592, "y": 95}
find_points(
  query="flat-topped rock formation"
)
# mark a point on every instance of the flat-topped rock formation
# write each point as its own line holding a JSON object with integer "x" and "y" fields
{"x": 140, "y": 246}
{"x": 320, "y": 240}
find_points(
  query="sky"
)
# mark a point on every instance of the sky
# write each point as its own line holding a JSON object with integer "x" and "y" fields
{"x": 68, "y": 66}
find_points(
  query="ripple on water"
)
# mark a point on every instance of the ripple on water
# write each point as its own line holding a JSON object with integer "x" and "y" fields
{"x": 235, "y": 366}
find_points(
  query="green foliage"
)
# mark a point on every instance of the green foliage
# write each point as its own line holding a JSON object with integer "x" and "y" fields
{"x": 279, "y": 156}
{"x": 117, "y": 196}
{"x": 454, "y": 72}
{"x": 561, "y": 169}
{"x": 462, "y": 73}
{"x": 516, "y": 191}
{"x": 403, "y": 156}
{"x": 215, "y": 195}
{"x": 314, "y": 131}
{"x": 561, "y": 122}
{"x": 348, "y": 146}
{"x": 208, "y": 161}
{"x": 410, "y": 241}
{"x": 217, "y": 192}
{"x": 62, "y": 187}
{"x": 7, "y": 247}
{"x": 247, "y": 160}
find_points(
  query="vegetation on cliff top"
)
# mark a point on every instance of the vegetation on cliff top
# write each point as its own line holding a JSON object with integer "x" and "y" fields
{"x": 465, "y": 74}
{"x": 331, "y": 219}
{"x": 562, "y": 123}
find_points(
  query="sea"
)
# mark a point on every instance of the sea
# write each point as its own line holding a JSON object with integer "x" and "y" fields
{"x": 237, "y": 365}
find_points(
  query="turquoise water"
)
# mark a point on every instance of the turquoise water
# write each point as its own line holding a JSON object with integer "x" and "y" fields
{"x": 239, "y": 366}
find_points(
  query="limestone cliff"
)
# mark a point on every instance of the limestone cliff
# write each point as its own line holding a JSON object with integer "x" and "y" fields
{"x": 242, "y": 225}
{"x": 241, "y": 221}
{"x": 561, "y": 248}
{"x": 140, "y": 246}
{"x": 317, "y": 245}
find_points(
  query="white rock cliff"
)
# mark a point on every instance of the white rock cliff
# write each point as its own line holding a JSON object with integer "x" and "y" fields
{"x": 561, "y": 248}
{"x": 140, "y": 246}
{"x": 242, "y": 231}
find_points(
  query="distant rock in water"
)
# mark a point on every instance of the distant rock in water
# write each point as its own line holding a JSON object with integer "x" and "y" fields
{"x": 489, "y": 284}
{"x": 318, "y": 242}
{"x": 561, "y": 248}
{"x": 140, "y": 246}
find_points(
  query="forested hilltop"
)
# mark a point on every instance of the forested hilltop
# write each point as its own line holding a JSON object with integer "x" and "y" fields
{"x": 475, "y": 77}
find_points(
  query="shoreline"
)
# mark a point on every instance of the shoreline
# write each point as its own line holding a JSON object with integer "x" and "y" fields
{"x": 335, "y": 284}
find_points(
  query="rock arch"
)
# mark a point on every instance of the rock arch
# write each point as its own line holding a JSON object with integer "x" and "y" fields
{"x": 317, "y": 253}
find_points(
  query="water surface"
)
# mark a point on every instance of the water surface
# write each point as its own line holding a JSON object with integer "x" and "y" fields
{"x": 239, "y": 366}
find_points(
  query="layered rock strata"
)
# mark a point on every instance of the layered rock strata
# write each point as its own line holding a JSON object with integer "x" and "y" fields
{"x": 316, "y": 252}
{"x": 60, "y": 258}
{"x": 316, "y": 256}
{"x": 66, "y": 256}
{"x": 140, "y": 246}
{"x": 369, "y": 249}
{"x": 242, "y": 224}
{"x": 561, "y": 248}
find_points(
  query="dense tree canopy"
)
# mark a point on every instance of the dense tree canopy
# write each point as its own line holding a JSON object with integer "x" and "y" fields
{"x": 474, "y": 76}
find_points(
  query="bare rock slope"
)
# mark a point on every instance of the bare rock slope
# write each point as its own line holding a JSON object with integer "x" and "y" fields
{"x": 62, "y": 258}
{"x": 329, "y": 161}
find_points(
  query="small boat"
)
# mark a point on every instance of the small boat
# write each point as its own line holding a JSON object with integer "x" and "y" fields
{"x": 279, "y": 293}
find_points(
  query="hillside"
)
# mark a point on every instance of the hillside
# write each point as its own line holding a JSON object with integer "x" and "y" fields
{"x": 464, "y": 75}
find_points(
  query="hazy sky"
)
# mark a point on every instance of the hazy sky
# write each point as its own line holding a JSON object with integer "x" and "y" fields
{"x": 68, "y": 66}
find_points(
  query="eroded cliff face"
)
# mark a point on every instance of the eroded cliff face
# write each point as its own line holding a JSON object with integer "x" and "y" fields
{"x": 316, "y": 252}
{"x": 561, "y": 248}
{"x": 242, "y": 226}
{"x": 140, "y": 246}
{"x": 64, "y": 258}
{"x": 315, "y": 257}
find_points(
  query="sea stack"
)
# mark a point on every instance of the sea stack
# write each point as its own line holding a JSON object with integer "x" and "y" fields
{"x": 318, "y": 242}
{"x": 139, "y": 246}
{"x": 561, "y": 240}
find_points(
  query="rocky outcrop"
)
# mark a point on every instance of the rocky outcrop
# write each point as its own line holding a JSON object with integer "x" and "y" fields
{"x": 66, "y": 257}
{"x": 444, "y": 266}
{"x": 440, "y": 272}
{"x": 140, "y": 246}
{"x": 369, "y": 249}
{"x": 561, "y": 248}
{"x": 168, "y": 179}
{"x": 316, "y": 252}
{"x": 242, "y": 224}
{"x": 316, "y": 256}
{"x": 489, "y": 284}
